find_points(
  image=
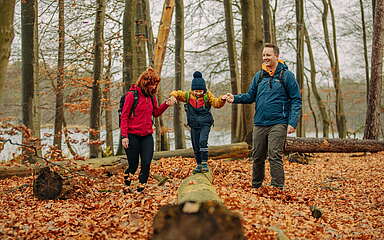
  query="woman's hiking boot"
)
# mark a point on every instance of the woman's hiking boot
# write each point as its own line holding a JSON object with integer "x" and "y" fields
{"x": 140, "y": 187}
{"x": 128, "y": 179}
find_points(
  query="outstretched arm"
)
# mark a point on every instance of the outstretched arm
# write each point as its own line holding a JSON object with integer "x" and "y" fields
{"x": 179, "y": 95}
{"x": 216, "y": 102}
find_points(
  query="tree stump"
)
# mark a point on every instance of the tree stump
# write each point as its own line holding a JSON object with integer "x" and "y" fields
{"x": 48, "y": 185}
{"x": 195, "y": 221}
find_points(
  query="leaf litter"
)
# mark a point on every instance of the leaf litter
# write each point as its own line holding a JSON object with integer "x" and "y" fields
{"x": 347, "y": 190}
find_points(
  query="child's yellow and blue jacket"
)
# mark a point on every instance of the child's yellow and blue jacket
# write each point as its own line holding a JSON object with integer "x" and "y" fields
{"x": 198, "y": 108}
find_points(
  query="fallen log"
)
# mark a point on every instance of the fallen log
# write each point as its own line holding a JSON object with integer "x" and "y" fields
{"x": 197, "y": 188}
{"x": 336, "y": 145}
{"x": 214, "y": 151}
{"x": 236, "y": 150}
{"x": 199, "y": 214}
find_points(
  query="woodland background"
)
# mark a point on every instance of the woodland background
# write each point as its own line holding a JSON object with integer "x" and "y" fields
{"x": 67, "y": 65}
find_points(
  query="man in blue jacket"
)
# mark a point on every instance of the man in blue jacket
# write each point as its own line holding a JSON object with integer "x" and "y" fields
{"x": 276, "y": 93}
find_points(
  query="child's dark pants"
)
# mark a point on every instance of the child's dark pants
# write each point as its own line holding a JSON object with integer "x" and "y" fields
{"x": 199, "y": 138}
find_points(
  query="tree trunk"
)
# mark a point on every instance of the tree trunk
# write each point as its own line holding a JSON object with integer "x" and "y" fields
{"x": 335, "y": 70}
{"x": 319, "y": 101}
{"x": 129, "y": 54}
{"x": 250, "y": 55}
{"x": 107, "y": 102}
{"x": 365, "y": 46}
{"x": 266, "y": 21}
{"x": 273, "y": 23}
{"x": 300, "y": 59}
{"x": 30, "y": 82}
{"x": 59, "y": 114}
{"x": 178, "y": 113}
{"x": 158, "y": 59}
{"x": 140, "y": 37}
{"x": 234, "y": 70}
{"x": 372, "y": 122}
{"x": 149, "y": 32}
{"x": 7, "y": 11}
{"x": 94, "y": 125}
{"x": 311, "y": 108}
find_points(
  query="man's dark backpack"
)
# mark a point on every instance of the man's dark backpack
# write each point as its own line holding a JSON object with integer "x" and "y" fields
{"x": 134, "y": 104}
{"x": 280, "y": 78}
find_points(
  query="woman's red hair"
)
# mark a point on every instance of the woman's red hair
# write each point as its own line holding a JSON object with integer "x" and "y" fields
{"x": 147, "y": 78}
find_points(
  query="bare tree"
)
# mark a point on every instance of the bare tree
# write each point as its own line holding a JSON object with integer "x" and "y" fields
{"x": 300, "y": 58}
{"x": 372, "y": 123}
{"x": 341, "y": 121}
{"x": 130, "y": 73}
{"x": 140, "y": 37}
{"x": 94, "y": 123}
{"x": 319, "y": 101}
{"x": 107, "y": 102}
{"x": 365, "y": 46}
{"x": 178, "y": 112}
{"x": 162, "y": 142}
{"x": 252, "y": 46}
{"x": 267, "y": 21}
{"x": 59, "y": 110}
{"x": 7, "y": 12}
{"x": 30, "y": 75}
{"x": 234, "y": 70}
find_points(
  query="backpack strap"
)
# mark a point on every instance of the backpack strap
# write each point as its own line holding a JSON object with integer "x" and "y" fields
{"x": 281, "y": 80}
{"x": 206, "y": 102}
{"x": 187, "y": 96}
{"x": 261, "y": 75}
{"x": 135, "y": 101}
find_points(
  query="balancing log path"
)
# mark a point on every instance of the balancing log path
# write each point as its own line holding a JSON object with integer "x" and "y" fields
{"x": 199, "y": 214}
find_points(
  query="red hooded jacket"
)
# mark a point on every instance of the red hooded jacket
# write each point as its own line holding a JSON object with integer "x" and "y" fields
{"x": 140, "y": 122}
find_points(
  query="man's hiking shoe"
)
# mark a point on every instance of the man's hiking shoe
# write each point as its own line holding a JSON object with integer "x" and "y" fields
{"x": 140, "y": 187}
{"x": 197, "y": 169}
{"x": 204, "y": 168}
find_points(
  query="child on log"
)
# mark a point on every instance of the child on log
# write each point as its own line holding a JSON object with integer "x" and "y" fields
{"x": 198, "y": 102}
{"x": 137, "y": 126}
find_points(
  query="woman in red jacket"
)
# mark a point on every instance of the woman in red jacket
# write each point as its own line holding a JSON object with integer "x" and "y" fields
{"x": 137, "y": 125}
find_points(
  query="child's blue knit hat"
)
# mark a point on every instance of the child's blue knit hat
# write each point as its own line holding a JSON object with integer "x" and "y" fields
{"x": 198, "y": 83}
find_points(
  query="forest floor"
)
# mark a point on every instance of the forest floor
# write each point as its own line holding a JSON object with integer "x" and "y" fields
{"x": 347, "y": 187}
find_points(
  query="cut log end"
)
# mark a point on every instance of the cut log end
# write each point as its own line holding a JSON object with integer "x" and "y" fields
{"x": 48, "y": 185}
{"x": 190, "y": 221}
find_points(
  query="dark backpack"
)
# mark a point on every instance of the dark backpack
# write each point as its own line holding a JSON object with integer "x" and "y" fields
{"x": 134, "y": 104}
{"x": 280, "y": 77}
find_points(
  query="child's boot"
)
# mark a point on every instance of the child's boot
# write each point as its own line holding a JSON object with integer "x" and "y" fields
{"x": 204, "y": 159}
{"x": 204, "y": 167}
{"x": 197, "y": 169}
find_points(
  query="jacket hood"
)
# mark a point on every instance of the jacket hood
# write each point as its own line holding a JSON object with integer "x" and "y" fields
{"x": 280, "y": 66}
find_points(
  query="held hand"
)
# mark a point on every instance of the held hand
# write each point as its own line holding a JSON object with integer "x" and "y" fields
{"x": 170, "y": 101}
{"x": 230, "y": 98}
{"x": 125, "y": 142}
{"x": 290, "y": 129}
{"x": 224, "y": 97}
